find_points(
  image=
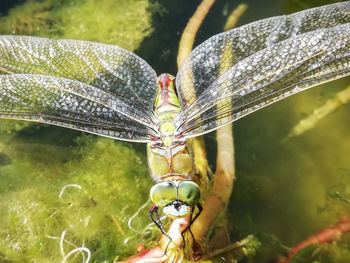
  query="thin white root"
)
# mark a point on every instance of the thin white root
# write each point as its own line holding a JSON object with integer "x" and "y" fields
{"x": 146, "y": 229}
{"x": 61, "y": 242}
{"x": 150, "y": 225}
{"x": 79, "y": 249}
{"x": 69, "y": 185}
{"x": 57, "y": 238}
{"x": 135, "y": 215}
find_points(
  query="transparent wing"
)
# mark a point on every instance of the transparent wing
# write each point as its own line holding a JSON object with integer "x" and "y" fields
{"x": 245, "y": 69}
{"x": 109, "y": 68}
{"x": 69, "y": 103}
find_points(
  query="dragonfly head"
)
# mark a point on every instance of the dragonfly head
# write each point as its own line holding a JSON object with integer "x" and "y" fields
{"x": 176, "y": 197}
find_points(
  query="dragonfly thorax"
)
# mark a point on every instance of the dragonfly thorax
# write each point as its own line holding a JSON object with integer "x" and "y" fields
{"x": 170, "y": 163}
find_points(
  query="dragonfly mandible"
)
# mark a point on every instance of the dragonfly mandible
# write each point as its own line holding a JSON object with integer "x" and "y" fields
{"x": 109, "y": 91}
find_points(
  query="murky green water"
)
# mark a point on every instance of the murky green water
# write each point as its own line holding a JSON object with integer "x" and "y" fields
{"x": 284, "y": 192}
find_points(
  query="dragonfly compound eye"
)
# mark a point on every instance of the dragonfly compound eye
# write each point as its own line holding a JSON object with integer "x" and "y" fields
{"x": 163, "y": 193}
{"x": 189, "y": 192}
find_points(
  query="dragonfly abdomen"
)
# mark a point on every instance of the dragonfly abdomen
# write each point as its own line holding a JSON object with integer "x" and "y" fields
{"x": 166, "y": 108}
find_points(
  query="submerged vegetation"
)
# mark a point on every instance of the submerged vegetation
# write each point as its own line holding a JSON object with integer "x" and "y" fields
{"x": 124, "y": 23}
{"x": 88, "y": 191}
{"x": 64, "y": 190}
{"x": 61, "y": 192}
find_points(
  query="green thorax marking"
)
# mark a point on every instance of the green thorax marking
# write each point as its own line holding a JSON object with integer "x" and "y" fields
{"x": 173, "y": 163}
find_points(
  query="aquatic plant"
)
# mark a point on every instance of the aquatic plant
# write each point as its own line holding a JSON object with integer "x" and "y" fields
{"x": 79, "y": 200}
{"x": 123, "y": 23}
{"x": 92, "y": 171}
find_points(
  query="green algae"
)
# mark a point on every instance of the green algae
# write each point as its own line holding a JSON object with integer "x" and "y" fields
{"x": 124, "y": 23}
{"x": 105, "y": 182}
{"x": 9, "y": 126}
{"x": 29, "y": 18}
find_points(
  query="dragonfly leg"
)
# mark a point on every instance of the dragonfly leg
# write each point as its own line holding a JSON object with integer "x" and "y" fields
{"x": 192, "y": 219}
{"x": 158, "y": 223}
{"x": 200, "y": 209}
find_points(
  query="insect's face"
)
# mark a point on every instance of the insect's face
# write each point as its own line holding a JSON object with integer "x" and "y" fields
{"x": 177, "y": 209}
{"x": 176, "y": 197}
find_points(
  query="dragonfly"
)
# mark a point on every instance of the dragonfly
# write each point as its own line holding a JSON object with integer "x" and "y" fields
{"x": 109, "y": 91}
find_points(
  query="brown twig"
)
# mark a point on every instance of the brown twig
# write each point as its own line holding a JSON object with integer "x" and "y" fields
{"x": 235, "y": 16}
{"x": 327, "y": 235}
{"x": 189, "y": 34}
